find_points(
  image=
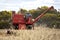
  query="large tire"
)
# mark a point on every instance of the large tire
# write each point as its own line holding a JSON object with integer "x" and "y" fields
{"x": 29, "y": 26}
{"x": 16, "y": 27}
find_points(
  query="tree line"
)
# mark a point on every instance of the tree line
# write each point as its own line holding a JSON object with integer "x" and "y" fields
{"x": 51, "y": 18}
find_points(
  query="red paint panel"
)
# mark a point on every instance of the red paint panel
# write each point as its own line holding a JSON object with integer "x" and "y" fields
{"x": 18, "y": 18}
{"x": 22, "y": 26}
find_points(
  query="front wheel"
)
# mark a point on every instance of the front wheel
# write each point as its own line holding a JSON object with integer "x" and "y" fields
{"x": 30, "y": 27}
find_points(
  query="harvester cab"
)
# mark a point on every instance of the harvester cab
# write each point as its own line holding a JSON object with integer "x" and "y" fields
{"x": 29, "y": 20}
{"x": 21, "y": 22}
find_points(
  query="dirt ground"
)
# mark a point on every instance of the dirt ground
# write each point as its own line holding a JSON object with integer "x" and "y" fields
{"x": 39, "y": 33}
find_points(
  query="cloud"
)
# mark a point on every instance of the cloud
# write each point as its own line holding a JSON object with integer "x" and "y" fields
{"x": 48, "y": 1}
{"x": 26, "y": 4}
{"x": 37, "y": 3}
{"x": 56, "y": 2}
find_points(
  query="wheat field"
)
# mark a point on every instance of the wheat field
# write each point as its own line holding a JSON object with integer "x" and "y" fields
{"x": 39, "y": 33}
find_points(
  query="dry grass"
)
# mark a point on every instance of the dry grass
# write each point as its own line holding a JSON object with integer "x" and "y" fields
{"x": 40, "y": 33}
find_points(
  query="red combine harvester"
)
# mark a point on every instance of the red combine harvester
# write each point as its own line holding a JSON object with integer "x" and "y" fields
{"x": 20, "y": 22}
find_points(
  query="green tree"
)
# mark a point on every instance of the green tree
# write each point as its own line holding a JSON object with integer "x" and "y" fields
{"x": 22, "y": 11}
{"x": 5, "y": 17}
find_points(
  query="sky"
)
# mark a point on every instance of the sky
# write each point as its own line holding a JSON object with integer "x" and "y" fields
{"x": 27, "y": 4}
